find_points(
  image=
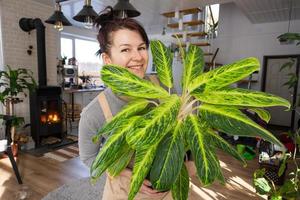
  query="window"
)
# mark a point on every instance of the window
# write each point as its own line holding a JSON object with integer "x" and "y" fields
{"x": 84, "y": 50}
{"x": 212, "y": 18}
{"x": 85, "y": 53}
{"x": 66, "y": 47}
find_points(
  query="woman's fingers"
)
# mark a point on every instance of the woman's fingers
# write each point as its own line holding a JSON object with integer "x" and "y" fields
{"x": 146, "y": 189}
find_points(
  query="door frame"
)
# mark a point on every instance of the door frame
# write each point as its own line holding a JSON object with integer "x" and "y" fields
{"x": 264, "y": 74}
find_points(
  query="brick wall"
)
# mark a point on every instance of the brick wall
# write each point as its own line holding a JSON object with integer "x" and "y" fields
{"x": 15, "y": 42}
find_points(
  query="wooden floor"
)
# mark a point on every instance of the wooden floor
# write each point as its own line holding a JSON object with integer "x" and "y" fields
{"x": 41, "y": 175}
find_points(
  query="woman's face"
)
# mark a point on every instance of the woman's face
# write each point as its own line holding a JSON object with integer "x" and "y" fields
{"x": 128, "y": 50}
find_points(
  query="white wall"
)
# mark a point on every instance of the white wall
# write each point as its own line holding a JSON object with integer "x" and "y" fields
{"x": 16, "y": 42}
{"x": 239, "y": 38}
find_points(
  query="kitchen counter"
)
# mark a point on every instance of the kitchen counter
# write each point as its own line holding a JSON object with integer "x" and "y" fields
{"x": 87, "y": 91}
{"x": 66, "y": 90}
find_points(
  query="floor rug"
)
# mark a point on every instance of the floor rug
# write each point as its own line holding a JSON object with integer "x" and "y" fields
{"x": 63, "y": 154}
{"x": 78, "y": 190}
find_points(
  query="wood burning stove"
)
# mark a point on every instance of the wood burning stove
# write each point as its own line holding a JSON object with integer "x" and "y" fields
{"x": 45, "y": 101}
{"x": 46, "y": 113}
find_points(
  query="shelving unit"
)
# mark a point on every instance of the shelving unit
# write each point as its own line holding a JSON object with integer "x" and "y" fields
{"x": 192, "y": 34}
{"x": 200, "y": 44}
{"x": 189, "y": 23}
{"x": 183, "y": 12}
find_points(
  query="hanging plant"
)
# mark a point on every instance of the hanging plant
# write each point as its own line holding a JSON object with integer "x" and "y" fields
{"x": 158, "y": 127}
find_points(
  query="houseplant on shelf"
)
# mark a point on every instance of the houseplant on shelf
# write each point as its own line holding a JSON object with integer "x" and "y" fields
{"x": 14, "y": 82}
{"x": 158, "y": 127}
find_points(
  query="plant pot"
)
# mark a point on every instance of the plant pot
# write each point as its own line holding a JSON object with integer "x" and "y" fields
{"x": 15, "y": 149}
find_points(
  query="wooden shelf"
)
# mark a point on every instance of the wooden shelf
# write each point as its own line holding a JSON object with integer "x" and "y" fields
{"x": 246, "y": 81}
{"x": 201, "y": 44}
{"x": 184, "y": 12}
{"x": 189, "y": 23}
{"x": 193, "y": 34}
{"x": 210, "y": 64}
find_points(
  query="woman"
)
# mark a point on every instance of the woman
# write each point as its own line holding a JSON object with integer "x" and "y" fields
{"x": 123, "y": 42}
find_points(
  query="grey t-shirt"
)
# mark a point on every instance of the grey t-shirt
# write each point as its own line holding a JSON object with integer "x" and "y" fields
{"x": 92, "y": 118}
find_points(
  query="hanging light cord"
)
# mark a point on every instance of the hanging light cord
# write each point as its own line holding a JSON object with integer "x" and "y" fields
{"x": 290, "y": 15}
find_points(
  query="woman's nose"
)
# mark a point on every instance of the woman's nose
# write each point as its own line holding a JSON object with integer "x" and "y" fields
{"x": 137, "y": 55}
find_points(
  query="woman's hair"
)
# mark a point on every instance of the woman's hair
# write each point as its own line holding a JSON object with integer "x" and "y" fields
{"x": 108, "y": 23}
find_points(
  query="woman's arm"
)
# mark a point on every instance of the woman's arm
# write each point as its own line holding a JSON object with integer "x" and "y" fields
{"x": 90, "y": 121}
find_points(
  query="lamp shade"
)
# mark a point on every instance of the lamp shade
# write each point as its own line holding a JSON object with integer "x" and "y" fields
{"x": 58, "y": 16}
{"x": 125, "y": 7}
{"x": 86, "y": 11}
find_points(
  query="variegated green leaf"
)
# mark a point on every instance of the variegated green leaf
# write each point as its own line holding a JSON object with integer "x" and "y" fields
{"x": 262, "y": 113}
{"x": 194, "y": 62}
{"x": 114, "y": 147}
{"x": 127, "y": 111}
{"x": 222, "y": 144}
{"x": 119, "y": 79}
{"x": 199, "y": 142}
{"x": 143, "y": 161}
{"x": 180, "y": 189}
{"x": 225, "y": 75}
{"x": 232, "y": 121}
{"x": 162, "y": 58}
{"x": 219, "y": 174}
{"x": 121, "y": 163}
{"x": 240, "y": 97}
{"x": 168, "y": 162}
{"x": 155, "y": 124}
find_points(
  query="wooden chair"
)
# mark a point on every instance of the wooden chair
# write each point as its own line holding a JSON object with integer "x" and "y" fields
{"x": 8, "y": 150}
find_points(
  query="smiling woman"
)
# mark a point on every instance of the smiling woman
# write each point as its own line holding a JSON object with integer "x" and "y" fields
{"x": 123, "y": 42}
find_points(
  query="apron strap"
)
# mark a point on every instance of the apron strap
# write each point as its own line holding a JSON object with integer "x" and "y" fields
{"x": 105, "y": 107}
{"x": 154, "y": 79}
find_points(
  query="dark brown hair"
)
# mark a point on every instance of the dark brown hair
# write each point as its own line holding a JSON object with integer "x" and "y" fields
{"x": 108, "y": 23}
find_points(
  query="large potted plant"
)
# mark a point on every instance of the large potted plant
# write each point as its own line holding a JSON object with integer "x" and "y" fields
{"x": 158, "y": 127}
{"x": 14, "y": 82}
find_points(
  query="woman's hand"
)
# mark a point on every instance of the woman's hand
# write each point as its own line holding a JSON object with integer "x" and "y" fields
{"x": 147, "y": 189}
{"x": 146, "y": 186}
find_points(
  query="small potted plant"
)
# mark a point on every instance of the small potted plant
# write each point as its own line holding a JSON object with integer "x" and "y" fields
{"x": 290, "y": 188}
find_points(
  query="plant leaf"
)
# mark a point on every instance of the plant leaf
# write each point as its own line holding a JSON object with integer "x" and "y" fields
{"x": 225, "y": 75}
{"x": 127, "y": 111}
{"x": 119, "y": 79}
{"x": 194, "y": 62}
{"x": 220, "y": 143}
{"x": 262, "y": 186}
{"x": 199, "y": 141}
{"x": 155, "y": 124}
{"x": 143, "y": 161}
{"x": 121, "y": 163}
{"x": 114, "y": 147}
{"x": 180, "y": 189}
{"x": 233, "y": 122}
{"x": 241, "y": 97}
{"x": 168, "y": 162}
{"x": 288, "y": 64}
{"x": 262, "y": 113}
{"x": 163, "y": 59}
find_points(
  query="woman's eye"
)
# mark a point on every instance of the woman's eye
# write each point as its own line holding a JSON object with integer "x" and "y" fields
{"x": 125, "y": 50}
{"x": 142, "y": 48}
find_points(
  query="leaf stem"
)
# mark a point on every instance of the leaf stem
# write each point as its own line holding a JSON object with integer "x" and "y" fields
{"x": 153, "y": 102}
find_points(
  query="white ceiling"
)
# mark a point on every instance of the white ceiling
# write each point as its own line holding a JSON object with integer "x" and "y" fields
{"x": 258, "y": 11}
